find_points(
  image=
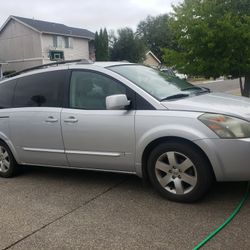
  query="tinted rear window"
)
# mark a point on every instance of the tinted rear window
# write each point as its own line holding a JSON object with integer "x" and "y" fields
{"x": 6, "y": 94}
{"x": 40, "y": 90}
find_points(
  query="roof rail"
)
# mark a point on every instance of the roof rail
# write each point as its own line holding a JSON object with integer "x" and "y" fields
{"x": 79, "y": 61}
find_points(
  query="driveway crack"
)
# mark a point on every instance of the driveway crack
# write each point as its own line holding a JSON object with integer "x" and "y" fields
{"x": 67, "y": 213}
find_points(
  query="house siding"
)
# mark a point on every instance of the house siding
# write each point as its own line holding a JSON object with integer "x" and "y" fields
{"x": 151, "y": 61}
{"x": 80, "y": 48}
{"x": 20, "y": 46}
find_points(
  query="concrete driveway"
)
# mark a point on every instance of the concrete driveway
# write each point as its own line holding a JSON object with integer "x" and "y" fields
{"x": 66, "y": 209}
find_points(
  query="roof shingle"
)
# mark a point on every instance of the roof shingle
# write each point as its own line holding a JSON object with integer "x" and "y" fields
{"x": 56, "y": 28}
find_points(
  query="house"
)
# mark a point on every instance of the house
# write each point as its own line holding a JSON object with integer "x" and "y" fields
{"x": 152, "y": 60}
{"x": 28, "y": 42}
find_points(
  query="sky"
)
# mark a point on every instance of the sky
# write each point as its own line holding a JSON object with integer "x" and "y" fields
{"x": 87, "y": 14}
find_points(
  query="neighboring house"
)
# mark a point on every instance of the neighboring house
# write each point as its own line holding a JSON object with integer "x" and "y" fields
{"x": 27, "y": 42}
{"x": 152, "y": 60}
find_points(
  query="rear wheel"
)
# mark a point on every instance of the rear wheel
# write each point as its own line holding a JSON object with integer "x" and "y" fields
{"x": 179, "y": 172}
{"x": 8, "y": 165}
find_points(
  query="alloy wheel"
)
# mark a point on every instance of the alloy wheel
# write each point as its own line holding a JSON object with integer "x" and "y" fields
{"x": 176, "y": 173}
{"x": 4, "y": 160}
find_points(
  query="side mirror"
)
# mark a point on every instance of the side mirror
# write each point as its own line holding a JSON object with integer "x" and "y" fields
{"x": 117, "y": 102}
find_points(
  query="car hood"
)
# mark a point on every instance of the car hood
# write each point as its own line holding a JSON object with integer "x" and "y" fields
{"x": 214, "y": 103}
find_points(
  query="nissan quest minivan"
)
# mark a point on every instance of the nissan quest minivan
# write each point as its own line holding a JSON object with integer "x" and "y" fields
{"x": 125, "y": 118}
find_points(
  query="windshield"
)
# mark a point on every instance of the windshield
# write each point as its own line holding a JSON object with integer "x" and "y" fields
{"x": 158, "y": 84}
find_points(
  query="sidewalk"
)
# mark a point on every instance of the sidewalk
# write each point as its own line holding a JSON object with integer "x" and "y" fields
{"x": 234, "y": 92}
{"x": 204, "y": 82}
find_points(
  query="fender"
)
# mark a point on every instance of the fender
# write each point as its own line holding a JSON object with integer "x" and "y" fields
{"x": 7, "y": 140}
{"x": 196, "y": 132}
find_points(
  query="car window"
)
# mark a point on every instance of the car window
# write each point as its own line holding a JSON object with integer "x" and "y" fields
{"x": 158, "y": 84}
{"x": 88, "y": 90}
{"x": 40, "y": 90}
{"x": 7, "y": 93}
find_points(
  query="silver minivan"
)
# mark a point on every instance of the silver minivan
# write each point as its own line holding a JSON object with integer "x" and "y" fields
{"x": 124, "y": 118}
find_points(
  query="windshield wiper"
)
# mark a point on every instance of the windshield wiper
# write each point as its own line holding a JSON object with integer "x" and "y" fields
{"x": 176, "y": 96}
{"x": 202, "y": 89}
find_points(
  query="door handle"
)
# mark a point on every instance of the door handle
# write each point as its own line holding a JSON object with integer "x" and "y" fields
{"x": 51, "y": 119}
{"x": 71, "y": 119}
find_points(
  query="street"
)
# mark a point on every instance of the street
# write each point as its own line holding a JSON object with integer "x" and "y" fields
{"x": 227, "y": 86}
{"x": 45, "y": 208}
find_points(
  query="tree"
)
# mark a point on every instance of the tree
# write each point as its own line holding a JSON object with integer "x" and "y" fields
{"x": 127, "y": 46}
{"x": 213, "y": 38}
{"x": 156, "y": 33}
{"x": 96, "y": 44}
{"x": 101, "y": 45}
{"x": 105, "y": 42}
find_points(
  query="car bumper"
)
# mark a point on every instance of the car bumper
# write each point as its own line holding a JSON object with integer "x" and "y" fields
{"x": 230, "y": 158}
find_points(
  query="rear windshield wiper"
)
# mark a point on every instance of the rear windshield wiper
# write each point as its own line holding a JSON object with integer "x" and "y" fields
{"x": 176, "y": 96}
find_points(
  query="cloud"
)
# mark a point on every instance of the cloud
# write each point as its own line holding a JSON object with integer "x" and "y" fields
{"x": 92, "y": 15}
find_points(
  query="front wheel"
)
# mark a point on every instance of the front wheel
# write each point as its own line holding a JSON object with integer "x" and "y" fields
{"x": 179, "y": 172}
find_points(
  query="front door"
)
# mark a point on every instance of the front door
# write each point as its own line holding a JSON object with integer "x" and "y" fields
{"x": 96, "y": 138}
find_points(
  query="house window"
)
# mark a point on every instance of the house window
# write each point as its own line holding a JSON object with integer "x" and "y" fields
{"x": 55, "y": 41}
{"x": 58, "y": 41}
{"x": 66, "y": 42}
{"x": 71, "y": 42}
{"x": 62, "y": 42}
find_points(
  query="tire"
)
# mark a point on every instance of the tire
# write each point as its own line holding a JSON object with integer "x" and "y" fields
{"x": 8, "y": 164}
{"x": 179, "y": 172}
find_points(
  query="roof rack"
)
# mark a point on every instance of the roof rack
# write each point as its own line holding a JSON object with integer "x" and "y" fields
{"x": 79, "y": 61}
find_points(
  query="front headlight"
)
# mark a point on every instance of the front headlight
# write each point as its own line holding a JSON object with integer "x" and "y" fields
{"x": 226, "y": 126}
